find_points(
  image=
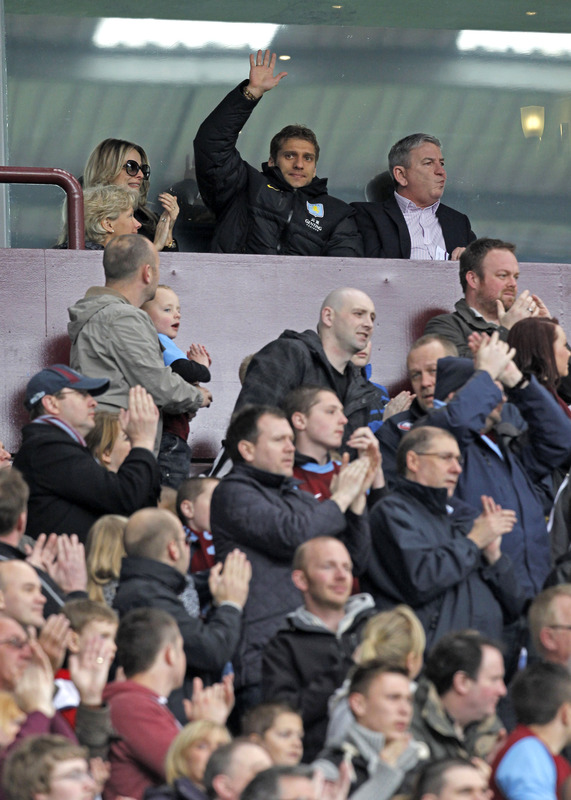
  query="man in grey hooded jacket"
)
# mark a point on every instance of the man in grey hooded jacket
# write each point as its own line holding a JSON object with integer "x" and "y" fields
{"x": 112, "y": 337}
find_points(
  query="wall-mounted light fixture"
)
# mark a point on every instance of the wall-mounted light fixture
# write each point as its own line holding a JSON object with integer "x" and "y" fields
{"x": 532, "y": 121}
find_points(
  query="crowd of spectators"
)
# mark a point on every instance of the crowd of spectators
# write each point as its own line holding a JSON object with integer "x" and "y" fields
{"x": 337, "y": 612}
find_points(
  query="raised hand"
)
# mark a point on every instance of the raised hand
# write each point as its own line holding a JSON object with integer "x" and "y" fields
{"x": 234, "y": 582}
{"x": 162, "y": 231}
{"x": 367, "y": 445}
{"x": 400, "y": 402}
{"x": 165, "y": 225}
{"x": 262, "y": 78}
{"x": 69, "y": 570}
{"x": 334, "y": 790}
{"x": 212, "y": 703}
{"x": 170, "y": 205}
{"x": 493, "y": 355}
{"x": 350, "y": 483}
{"x": 541, "y": 309}
{"x": 199, "y": 353}
{"x": 493, "y": 523}
{"x": 89, "y": 669}
{"x": 214, "y": 577}
{"x": 100, "y": 772}
{"x": 362, "y": 439}
{"x": 35, "y": 689}
{"x": 53, "y": 639}
{"x": 525, "y": 306}
{"x": 456, "y": 253}
{"x": 44, "y": 552}
{"x": 141, "y": 418}
{"x": 475, "y": 339}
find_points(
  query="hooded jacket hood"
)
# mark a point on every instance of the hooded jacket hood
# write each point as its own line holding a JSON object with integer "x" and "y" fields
{"x": 96, "y": 298}
{"x": 302, "y": 619}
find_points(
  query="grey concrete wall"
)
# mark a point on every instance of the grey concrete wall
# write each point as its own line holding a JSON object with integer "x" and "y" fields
{"x": 233, "y": 305}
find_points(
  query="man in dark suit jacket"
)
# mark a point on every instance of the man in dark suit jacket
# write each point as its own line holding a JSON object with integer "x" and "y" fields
{"x": 413, "y": 223}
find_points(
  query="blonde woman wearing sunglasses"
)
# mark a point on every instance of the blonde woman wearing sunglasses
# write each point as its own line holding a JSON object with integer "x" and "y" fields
{"x": 123, "y": 163}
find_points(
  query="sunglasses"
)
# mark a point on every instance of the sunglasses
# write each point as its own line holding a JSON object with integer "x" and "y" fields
{"x": 132, "y": 168}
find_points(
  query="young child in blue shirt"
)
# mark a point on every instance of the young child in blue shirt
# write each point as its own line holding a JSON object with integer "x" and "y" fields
{"x": 175, "y": 454}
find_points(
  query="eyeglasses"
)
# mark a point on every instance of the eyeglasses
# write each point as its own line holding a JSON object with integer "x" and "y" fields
{"x": 447, "y": 457}
{"x": 17, "y": 644}
{"x": 73, "y": 775}
{"x": 66, "y": 392}
{"x": 132, "y": 168}
{"x": 560, "y": 627}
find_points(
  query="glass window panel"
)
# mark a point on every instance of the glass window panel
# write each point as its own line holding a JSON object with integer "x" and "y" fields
{"x": 359, "y": 86}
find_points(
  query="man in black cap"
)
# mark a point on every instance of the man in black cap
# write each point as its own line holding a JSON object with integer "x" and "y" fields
{"x": 69, "y": 490}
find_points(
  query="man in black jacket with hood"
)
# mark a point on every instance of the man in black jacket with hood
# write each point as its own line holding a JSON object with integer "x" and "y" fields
{"x": 346, "y": 323}
{"x": 283, "y": 210}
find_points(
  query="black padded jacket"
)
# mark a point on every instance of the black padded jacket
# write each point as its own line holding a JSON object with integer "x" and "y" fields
{"x": 259, "y": 212}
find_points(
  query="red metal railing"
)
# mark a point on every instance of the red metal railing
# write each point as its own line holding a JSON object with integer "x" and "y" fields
{"x": 70, "y": 185}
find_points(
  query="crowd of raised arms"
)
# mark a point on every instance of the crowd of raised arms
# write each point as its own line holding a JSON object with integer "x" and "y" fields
{"x": 339, "y": 608}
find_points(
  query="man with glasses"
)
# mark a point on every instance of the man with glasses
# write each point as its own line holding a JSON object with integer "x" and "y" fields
{"x": 510, "y": 449}
{"x": 69, "y": 490}
{"x": 550, "y": 624}
{"x": 437, "y": 555}
{"x": 15, "y": 653}
{"x": 48, "y": 768}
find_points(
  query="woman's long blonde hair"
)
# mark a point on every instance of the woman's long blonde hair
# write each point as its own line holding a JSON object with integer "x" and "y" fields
{"x": 104, "y": 551}
{"x": 106, "y": 162}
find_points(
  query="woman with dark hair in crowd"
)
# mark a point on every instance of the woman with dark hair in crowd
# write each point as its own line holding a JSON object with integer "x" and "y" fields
{"x": 278, "y": 729}
{"x": 541, "y": 349}
{"x": 123, "y": 163}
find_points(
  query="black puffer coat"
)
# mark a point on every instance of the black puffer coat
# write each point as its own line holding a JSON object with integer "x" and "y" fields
{"x": 268, "y": 517}
{"x": 259, "y": 212}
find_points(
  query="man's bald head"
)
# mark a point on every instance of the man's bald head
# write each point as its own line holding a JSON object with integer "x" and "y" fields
{"x": 306, "y": 551}
{"x": 338, "y": 298}
{"x": 149, "y": 531}
{"x": 157, "y": 534}
{"x": 345, "y": 325}
{"x": 125, "y": 255}
{"x": 131, "y": 265}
